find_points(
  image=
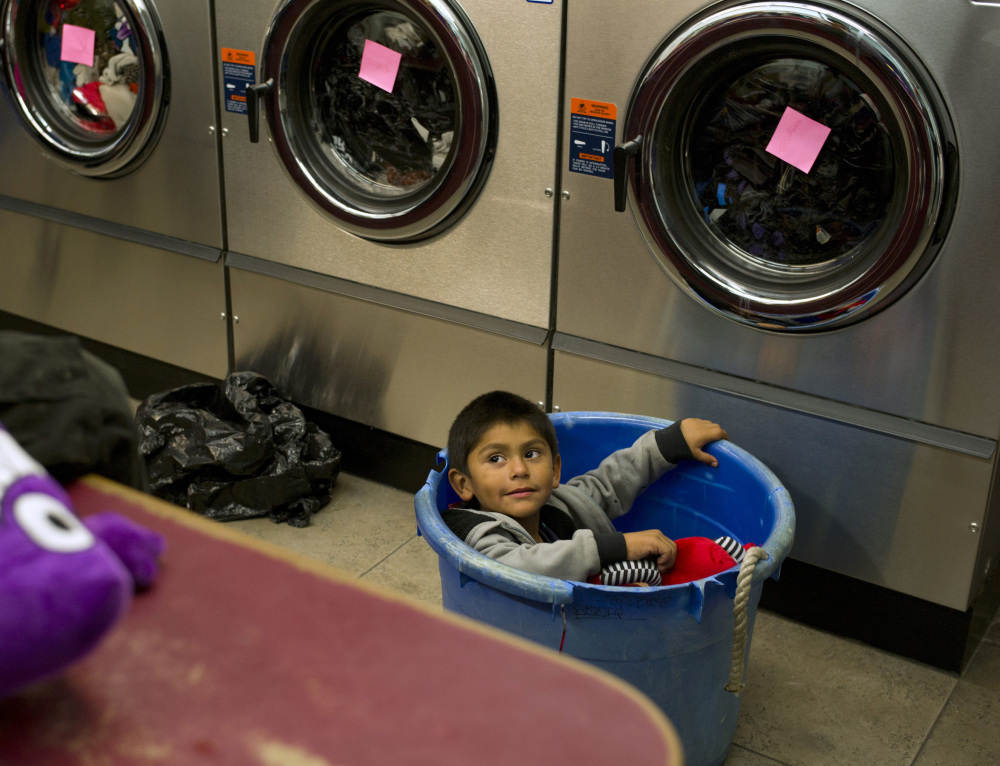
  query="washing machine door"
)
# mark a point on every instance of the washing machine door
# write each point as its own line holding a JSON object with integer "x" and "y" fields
{"x": 395, "y": 159}
{"x": 721, "y": 168}
{"x": 88, "y": 79}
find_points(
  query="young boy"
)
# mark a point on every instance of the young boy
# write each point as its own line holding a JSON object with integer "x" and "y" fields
{"x": 505, "y": 466}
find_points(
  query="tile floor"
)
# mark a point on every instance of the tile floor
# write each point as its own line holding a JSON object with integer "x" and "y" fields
{"x": 812, "y": 698}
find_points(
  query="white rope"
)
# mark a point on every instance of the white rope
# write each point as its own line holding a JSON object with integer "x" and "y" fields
{"x": 743, "y": 583}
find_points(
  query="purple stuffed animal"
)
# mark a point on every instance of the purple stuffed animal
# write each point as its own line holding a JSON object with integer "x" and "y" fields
{"x": 63, "y": 583}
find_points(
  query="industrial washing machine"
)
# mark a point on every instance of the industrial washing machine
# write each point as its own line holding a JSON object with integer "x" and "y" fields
{"x": 110, "y": 195}
{"x": 390, "y": 168}
{"x": 777, "y": 216}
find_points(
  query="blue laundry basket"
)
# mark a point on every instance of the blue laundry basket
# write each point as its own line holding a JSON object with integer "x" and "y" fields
{"x": 675, "y": 642}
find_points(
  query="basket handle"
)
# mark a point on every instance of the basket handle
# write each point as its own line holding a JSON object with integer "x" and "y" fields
{"x": 744, "y": 582}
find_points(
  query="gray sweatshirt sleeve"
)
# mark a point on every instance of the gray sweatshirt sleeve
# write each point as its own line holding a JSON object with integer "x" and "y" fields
{"x": 574, "y": 559}
{"x": 623, "y": 475}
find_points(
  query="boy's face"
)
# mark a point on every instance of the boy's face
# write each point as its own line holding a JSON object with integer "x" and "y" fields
{"x": 511, "y": 470}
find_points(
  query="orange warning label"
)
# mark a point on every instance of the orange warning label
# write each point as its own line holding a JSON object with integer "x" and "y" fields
{"x": 594, "y": 108}
{"x": 233, "y": 56}
{"x": 238, "y": 74}
{"x": 592, "y": 130}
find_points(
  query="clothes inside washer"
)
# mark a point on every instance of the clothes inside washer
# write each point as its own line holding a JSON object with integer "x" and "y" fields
{"x": 399, "y": 139}
{"x": 101, "y": 97}
{"x": 123, "y": 67}
{"x": 768, "y": 208}
{"x": 120, "y": 101}
{"x": 89, "y": 98}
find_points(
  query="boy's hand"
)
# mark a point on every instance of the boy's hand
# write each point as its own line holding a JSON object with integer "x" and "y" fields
{"x": 697, "y": 433}
{"x": 649, "y": 543}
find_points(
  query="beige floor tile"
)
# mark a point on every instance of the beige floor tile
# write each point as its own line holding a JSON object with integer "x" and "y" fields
{"x": 739, "y": 756}
{"x": 412, "y": 570}
{"x": 363, "y": 524}
{"x": 814, "y": 699}
{"x": 968, "y": 731}
{"x": 993, "y": 633}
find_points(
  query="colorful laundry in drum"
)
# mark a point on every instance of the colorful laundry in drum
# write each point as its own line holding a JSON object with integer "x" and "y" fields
{"x": 90, "y": 64}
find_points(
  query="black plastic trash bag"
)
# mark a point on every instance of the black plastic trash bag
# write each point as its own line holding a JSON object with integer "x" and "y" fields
{"x": 69, "y": 410}
{"x": 236, "y": 450}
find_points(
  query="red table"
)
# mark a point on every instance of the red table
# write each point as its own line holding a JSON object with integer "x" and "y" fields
{"x": 246, "y": 654}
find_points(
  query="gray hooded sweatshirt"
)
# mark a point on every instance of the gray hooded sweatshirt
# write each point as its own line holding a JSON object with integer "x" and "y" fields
{"x": 578, "y": 515}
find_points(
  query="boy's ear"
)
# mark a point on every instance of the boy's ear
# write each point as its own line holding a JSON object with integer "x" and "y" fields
{"x": 461, "y": 484}
{"x": 556, "y": 468}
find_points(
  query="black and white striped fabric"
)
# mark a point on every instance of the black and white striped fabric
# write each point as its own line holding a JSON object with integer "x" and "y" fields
{"x": 732, "y": 547}
{"x": 633, "y": 572}
{"x": 630, "y": 573}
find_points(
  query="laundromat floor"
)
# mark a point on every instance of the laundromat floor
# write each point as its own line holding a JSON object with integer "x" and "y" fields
{"x": 812, "y": 698}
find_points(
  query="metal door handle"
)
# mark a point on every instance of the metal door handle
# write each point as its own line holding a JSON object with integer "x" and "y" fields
{"x": 254, "y": 94}
{"x": 624, "y": 153}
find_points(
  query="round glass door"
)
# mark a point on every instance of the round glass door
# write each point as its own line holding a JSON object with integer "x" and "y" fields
{"x": 795, "y": 165}
{"x": 86, "y": 78}
{"x": 383, "y": 113}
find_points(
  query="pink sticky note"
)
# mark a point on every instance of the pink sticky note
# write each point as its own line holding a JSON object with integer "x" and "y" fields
{"x": 77, "y": 45}
{"x": 798, "y": 139}
{"x": 379, "y": 65}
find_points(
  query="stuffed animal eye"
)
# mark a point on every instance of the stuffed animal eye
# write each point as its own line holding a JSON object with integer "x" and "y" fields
{"x": 50, "y": 524}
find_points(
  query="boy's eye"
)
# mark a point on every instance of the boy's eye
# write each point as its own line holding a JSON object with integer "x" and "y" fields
{"x": 531, "y": 453}
{"x": 494, "y": 459}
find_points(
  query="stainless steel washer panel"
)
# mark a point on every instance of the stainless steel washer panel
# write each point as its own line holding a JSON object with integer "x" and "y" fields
{"x": 387, "y": 368}
{"x": 177, "y": 191}
{"x": 497, "y": 259}
{"x": 932, "y": 356}
{"x": 145, "y": 300}
{"x": 900, "y": 520}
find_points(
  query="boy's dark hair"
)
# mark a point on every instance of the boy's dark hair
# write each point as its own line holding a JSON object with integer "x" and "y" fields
{"x": 486, "y": 411}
